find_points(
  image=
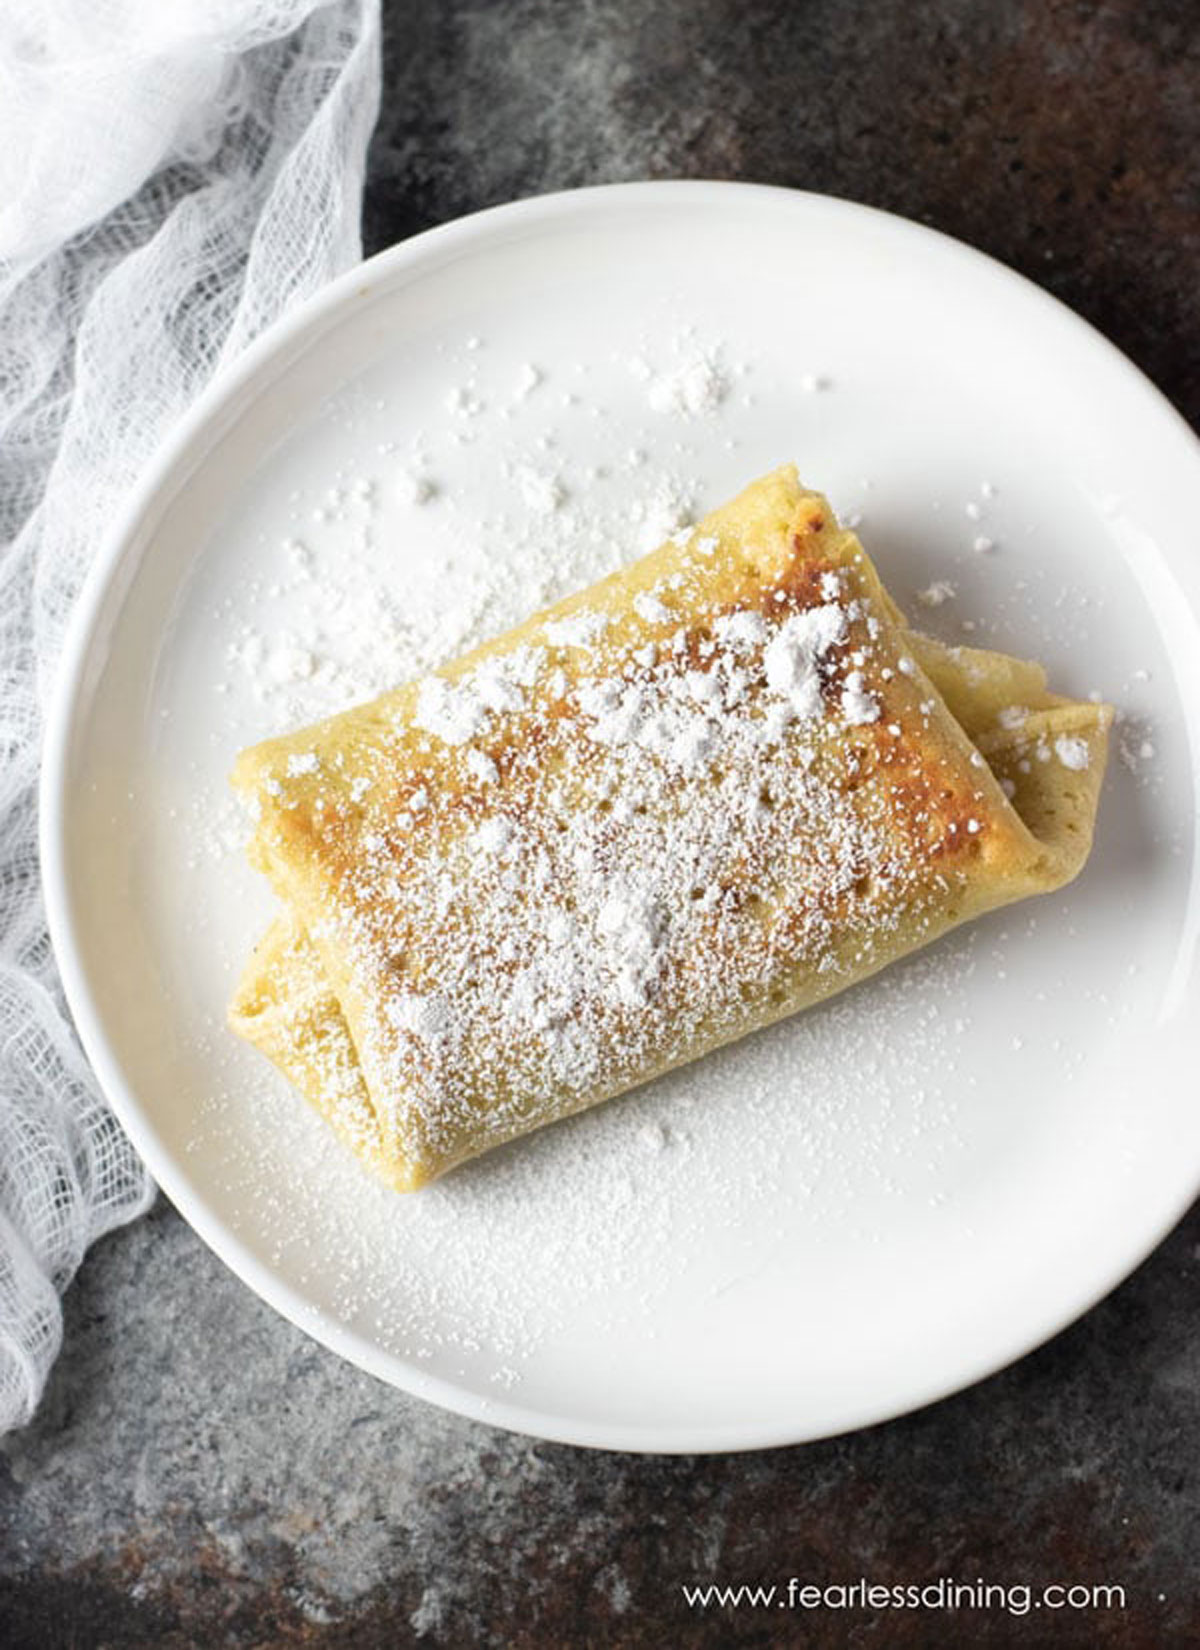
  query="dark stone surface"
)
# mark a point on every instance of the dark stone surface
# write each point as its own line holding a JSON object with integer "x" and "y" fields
{"x": 202, "y": 1474}
{"x": 1061, "y": 136}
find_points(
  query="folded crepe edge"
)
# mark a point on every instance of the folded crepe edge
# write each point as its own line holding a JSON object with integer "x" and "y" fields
{"x": 285, "y": 1007}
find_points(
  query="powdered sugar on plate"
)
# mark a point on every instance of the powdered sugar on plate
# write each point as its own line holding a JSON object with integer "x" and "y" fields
{"x": 694, "y": 387}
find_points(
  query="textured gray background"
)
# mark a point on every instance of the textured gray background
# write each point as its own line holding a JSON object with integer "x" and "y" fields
{"x": 200, "y": 1472}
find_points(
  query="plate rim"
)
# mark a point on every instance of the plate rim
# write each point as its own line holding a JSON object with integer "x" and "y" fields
{"x": 152, "y": 492}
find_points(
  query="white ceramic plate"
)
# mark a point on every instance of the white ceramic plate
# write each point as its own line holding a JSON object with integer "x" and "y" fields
{"x": 838, "y": 1220}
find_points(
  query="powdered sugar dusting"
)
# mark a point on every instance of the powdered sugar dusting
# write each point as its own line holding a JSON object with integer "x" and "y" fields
{"x": 792, "y": 658}
{"x": 678, "y": 828}
{"x": 937, "y": 593}
{"x": 695, "y": 387}
{"x": 662, "y": 512}
{"x": 651, "y": 608}
{"x": 858, "y": 705}
{"x": 1072, "y": 753}
{"x": 453, "y": 713}
{"x": 579, "y": 630}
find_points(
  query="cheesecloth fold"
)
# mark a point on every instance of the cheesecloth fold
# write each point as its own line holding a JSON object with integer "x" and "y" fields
{"x": 172, "y": 177}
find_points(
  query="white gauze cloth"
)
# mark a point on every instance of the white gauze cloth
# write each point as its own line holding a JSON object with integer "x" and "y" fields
{"x": 173, "y": 176}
